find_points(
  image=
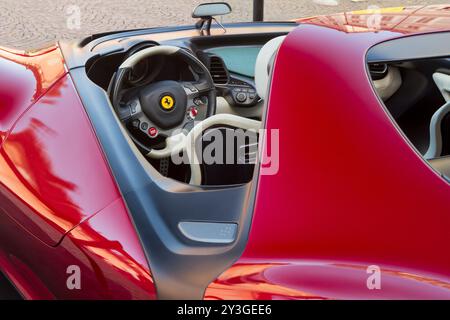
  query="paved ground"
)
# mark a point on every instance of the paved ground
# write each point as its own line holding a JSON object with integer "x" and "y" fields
{"x": 29, "y": 24}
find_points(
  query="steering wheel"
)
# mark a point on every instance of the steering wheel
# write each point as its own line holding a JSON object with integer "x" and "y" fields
{"x": 165, "y": 108}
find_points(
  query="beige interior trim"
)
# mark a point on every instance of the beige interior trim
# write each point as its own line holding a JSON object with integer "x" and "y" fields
{"x": 442, "y": 81}
{"x": 387, "y": 86}
{"x": 441, "y": 165}
{"x": 263, "y": 64}
{"x": 148, "y": 52}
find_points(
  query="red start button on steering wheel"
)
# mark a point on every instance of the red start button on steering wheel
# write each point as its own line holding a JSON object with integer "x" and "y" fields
{"x": 153, "y": 132}
{"x": 192, "y": 113}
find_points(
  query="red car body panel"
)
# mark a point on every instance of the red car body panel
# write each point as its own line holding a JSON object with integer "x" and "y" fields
{"x": 52, "y": 159}
{"x": 342, "y": 200}
{"x": 105, "y": 247}
{"x": 53, "y": 179}
{"x": 351, "y": 191}
{"x": 404, "y": 20}
{"x": 25, "y": 78}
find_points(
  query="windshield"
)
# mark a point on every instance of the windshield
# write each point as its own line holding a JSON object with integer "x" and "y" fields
{"x": 30, "y": 24}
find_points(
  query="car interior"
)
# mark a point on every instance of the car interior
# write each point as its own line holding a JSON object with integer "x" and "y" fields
{"x": 225, "y": 100}
{"x": 417, "y": 95}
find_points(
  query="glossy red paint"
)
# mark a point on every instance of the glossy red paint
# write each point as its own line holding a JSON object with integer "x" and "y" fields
{"x": 350, "y": 192}
{"x": 60, "y": 204}
{"x": 52, "y": 159}
{"x": 105, "y": 248}
{"x": 24, "y": 78}
{"x": 340, "y": 202}
{"x": 292, "y": 280}
{"x": 404, "y": 20}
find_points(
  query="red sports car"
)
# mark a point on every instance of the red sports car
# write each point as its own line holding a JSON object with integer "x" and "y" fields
{"x": 292, "y": 160}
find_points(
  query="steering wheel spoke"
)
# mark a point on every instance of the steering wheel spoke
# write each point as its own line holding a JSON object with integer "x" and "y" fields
{"x": 135, "y": 107}
{"x": 190, "y": 88}
{"x": 203, "y": 86}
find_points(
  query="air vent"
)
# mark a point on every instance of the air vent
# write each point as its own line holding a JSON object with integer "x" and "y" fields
{"x": 218, "y": 71}
{"x": 378, "y": 70}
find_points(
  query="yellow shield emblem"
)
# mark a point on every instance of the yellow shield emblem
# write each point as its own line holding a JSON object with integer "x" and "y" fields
{"x": 167, "y": 102}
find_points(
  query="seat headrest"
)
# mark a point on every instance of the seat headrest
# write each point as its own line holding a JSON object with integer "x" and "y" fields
{"x": 436, "y": 138}
{"x": 442, "y": 81}
{"x": 264, "y": 63}
{"x": 387, "y": 86}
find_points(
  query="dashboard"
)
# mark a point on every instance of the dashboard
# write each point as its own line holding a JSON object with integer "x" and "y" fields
{"x": 233, "y": 70}
{"x": 240, "y": 60}
{"x": 231, "y": 60}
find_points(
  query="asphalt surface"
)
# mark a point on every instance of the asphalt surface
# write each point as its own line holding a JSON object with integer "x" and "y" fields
{"x": 28, "y": 24}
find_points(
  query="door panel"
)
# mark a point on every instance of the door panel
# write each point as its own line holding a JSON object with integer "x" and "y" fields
{"x": 52, "y": 171}
{"x": 105, "y": 248}
{"x": 24, "y": 78}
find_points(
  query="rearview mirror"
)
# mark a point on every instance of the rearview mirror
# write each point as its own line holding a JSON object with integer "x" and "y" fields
{"x": 208, "y": 10}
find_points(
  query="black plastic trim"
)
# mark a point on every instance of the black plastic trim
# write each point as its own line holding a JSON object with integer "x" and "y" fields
{"x": 99, "y": 38}
{"x": 182, "y": 269}
{"x": 77, "y": 53}
{"x": 430, "y": 45}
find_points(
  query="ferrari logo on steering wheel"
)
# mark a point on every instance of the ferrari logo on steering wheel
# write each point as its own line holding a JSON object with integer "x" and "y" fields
{"x": 167, "y": 102}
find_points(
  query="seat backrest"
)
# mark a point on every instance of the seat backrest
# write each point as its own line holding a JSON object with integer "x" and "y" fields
{"x": 264, "y": 63}
{"x": 439, "y": 130}
{"x": 442, "y": 81}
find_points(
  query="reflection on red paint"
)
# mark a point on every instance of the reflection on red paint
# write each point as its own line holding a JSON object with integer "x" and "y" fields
{"x": 405, "y": 20}
{"x": 315, "y": 280}
{"x": 49, "y": 159}
{"x": 110, "y": 242}
{"x": 24, "y": 78}
{"x": 247, "y": 282}
{"x": 350, "y": 190}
